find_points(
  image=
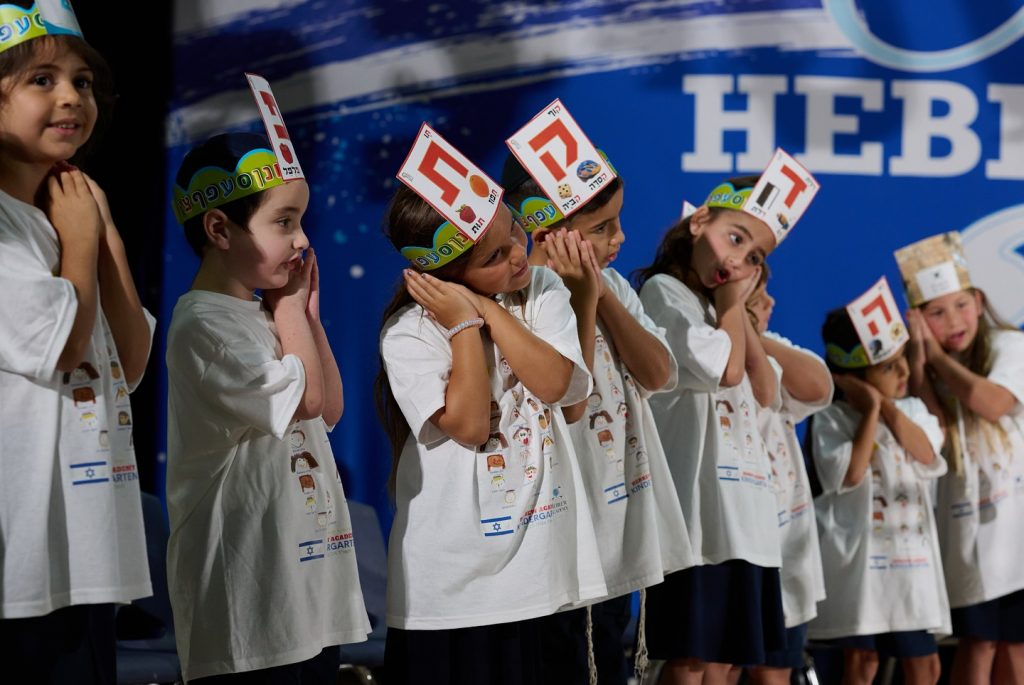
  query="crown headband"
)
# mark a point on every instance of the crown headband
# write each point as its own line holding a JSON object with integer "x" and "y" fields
{"x": 933, "y": 267}
{"x": 19, "y": 24}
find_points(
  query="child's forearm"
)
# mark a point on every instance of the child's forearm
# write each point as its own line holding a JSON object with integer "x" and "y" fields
{"x": 334, "y": 393}
{"x": 78, "y": 263}
{"x": 804, "y": 377}
{"x": 911, "y": 436}
{"x": 297, "y": 338}
{"x": 921, "y": 386}
{"x": 642, "y": 353}
{"x": 763, "y": 380}
{"x": 977, "y": 393}
{"x": 863, "y": 446}
{"x": 586, "y": 328}
{"x": 122, "y": 307}
{"x": 733, "y": 322}
{"x": 466, "y": 415}
{"x": 537, "y": 364}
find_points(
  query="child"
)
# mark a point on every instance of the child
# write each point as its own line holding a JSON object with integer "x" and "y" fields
{"x": 728, "y": 610}
{"x": 261, "y": 564}
{"x": 492, "y": 529}
{"x": 806, "y": 388}
{"x": 74, "y": 341}
{"x": 874, "y": 451}
{"x": 976, "y": 364}
{"x": 637, "y": 517}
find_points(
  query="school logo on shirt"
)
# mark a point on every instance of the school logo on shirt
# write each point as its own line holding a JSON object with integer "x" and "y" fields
{"x": 501, "y": 525}
{"x": 311, "y": 549}
{"x": 87, "y": 472}
{"x": 340, "y": 542}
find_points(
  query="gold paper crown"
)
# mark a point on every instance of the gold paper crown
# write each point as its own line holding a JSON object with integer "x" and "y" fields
{"x": 933, "y": 267}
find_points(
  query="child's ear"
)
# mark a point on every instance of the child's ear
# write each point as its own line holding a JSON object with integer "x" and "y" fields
{"x": 699, "y": 220}
{"x": 216, "y": 227}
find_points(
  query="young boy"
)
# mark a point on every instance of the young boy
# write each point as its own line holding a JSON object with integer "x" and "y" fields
{"x": 261, "y": 563}
{"x": 637, "y": 517}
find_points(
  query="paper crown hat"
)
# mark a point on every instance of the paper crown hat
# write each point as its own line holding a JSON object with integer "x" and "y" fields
{"x": 933, "y": 267}
{"x": 553, "y": 150}
{"x": 781, "y": 196}
{"x": 879, "y": 326}
{"x": 256, "y": 170}
{"x": 458, "y": 189}
{"x": 21, "y": 21}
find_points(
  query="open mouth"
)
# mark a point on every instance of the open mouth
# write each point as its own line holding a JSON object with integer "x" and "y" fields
{"x": 65, "y": 127}
{"x": 721, "y": 276}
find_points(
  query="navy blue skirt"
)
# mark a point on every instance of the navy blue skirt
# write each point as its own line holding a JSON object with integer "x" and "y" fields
{"x": 1000, "y": 619}
{"x": 728, "y": 613}
{"x": 502, "y": 654}
{"x": 792, "y": 655}
{"x": 901, "y": 645}
{"x": 564, "y": 638}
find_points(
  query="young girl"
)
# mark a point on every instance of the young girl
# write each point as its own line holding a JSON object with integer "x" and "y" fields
{"x": 806, "y": 388}
{"x": 729, "y": 610}
{"x": 976, "y": 364}
{"x": 74, "y": 341}
{"x": 874, "y": 451}
{"x": 639, "y": 522}
{"x": 492, "y": 528}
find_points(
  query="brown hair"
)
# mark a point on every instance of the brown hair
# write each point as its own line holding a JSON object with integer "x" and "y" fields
{"x": 408, "y": 220}
{"x": 977, "y": 358}
{"x": 16, "y": 60}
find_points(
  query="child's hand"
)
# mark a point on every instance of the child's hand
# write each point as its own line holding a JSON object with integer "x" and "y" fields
{"x": 862, "y": 395}
{"x": 72, "y": 209}
{"x": 736, "y": 293}
{"x": 293, "y": 294}
{"x": 568, "y": 258}
{"x": 447, "y": 303}
{"x": 101, "y": 201}
{"x": 313, "y": 303}
{"x": 922, "y": 341}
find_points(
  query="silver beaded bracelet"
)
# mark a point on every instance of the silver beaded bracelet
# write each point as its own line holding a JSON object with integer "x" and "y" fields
{"x": 459, "y": 327}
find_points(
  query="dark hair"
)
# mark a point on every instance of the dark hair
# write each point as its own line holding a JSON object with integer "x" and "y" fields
{"x": 15, "y": 61}
{"x": 675, "y": 253}
{"x": 408, "y": 220}
{"x": 223, "y": 151}
{"x": 519, "y": 186}
{"x": 838, "y": 330}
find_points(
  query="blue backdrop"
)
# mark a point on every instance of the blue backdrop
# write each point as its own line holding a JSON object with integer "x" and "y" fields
{"x": 910, "y": 114}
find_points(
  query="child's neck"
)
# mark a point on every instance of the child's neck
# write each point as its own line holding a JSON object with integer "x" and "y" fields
{"x": 213, "y": 277}
{"x": 22, "y": 180}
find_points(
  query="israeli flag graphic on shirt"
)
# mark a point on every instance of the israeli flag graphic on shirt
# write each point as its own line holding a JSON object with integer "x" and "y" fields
{"x": 728, "y": 473}
{"x": 616, "y": 493}
{"x": 501, "y": 525}
{"x": 311, "y": 549}
{"x": 87, "y": 472}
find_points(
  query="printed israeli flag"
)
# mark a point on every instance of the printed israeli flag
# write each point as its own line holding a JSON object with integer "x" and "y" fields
{"x": 616, "y": 493}
{"x": 728, "y": 473}
{"x": 311, "y": 549}
{"x": 87, "y": 472}
{"x": 501, "y": 525}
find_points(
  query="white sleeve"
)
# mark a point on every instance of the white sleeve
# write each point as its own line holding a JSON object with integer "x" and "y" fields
{"x": 701, "y": 350}
{"x": 37, "y": 311}
{"x": 832, "y": 449}
{"x": 551, "y": 318}
{"x": 151, "y": 322}
{"x": 778, "y": 400}
{"x": 418, "y": 361}
{"x": 1008, "y": 365}
{"x": 797, "y": 409}
{"x": 621, "y": 288}
{"x": 917, "y": 411}
{"x": 244, "y": 379}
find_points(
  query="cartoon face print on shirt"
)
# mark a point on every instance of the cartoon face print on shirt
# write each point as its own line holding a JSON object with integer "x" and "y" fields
{"x": 124, "y": 418}
{"x": 544, "y": 419}
{"x": 104, "y": 439}
{"x": 303, "y": 462}
{"x": 85, "y": 395}
{"x": 115, "y": 370}
{"x": 495, "y": 443}
{"x": 601, "y": 348}
{"x": 599, "y": 420}
{"x": 495, "y": 463}
{"x": 307, "y": 484}
{"x": 522, "y": 436}
{"x": 509, "y": 379}
{"x": 297, "y": 439}
{"x": 83, "y": 374}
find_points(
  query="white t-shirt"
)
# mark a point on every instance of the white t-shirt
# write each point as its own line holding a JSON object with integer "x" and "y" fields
{"x": 71, "y": 527}
{"x": 981, "y": 513}
{"x": 261, "y": 561}
{"x": 710, "y": 435}
{"x": 491, "y": 533}
{"x": 879, "y": 547}
{"x": 803, "y": 583}
{"x": 637, "y": 517}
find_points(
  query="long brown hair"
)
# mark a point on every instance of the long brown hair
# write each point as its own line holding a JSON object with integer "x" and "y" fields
{"x": 408, "y": 220}
{"x": 977, "y": 358}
